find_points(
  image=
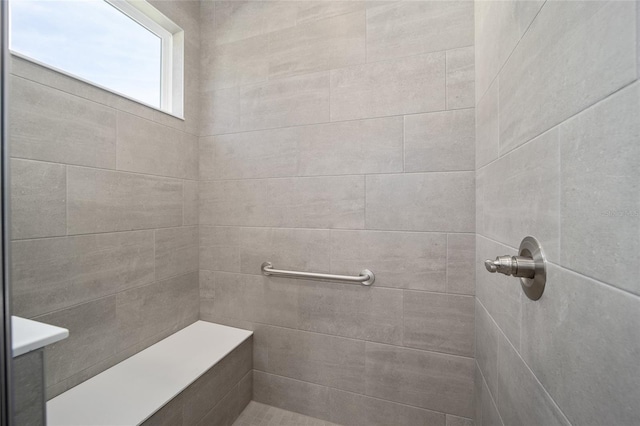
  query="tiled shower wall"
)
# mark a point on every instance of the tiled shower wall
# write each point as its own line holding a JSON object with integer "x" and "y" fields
{"x": 104, "y": 213}
{"x": 558, "y": 149}
{"x": 338, "y": 136}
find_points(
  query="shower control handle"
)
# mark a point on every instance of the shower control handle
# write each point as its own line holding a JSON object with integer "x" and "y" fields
{"x": 529, "y": 265}
{"x": 517, "y": 266}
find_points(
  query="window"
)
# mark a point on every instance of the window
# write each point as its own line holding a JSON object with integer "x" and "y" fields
{"x": 126, "y": 47}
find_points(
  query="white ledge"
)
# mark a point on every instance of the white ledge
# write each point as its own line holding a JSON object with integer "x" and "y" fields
{"x": 28, "y": 335}
{"x": 131, "y": 391}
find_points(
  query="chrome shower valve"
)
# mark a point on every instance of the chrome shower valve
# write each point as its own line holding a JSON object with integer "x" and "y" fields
{"x": 518, "y": 266}
{"x": 529, "y": 266}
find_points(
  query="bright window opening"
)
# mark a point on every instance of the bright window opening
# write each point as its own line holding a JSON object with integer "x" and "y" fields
{"x": 125, "y": 47}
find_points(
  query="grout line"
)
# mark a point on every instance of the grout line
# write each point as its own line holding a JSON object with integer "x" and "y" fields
{"x": 407, "y": 348}
{"x": 106, "y": 169}
{"x": 246, "y": 227}
{"x": 96, "y": 102}
{"x": 317, "y": 282}
{"x": 485, "y": 384}
{"x": 555, "y": 127}
{"x": 398, "y": 173}
{"x": 351, "y": 392}
{"x": 107, "y": 296}
{"x": 319, "y": 123}
{"x": 530, "y": 371}
{"x": 512, "y": 51}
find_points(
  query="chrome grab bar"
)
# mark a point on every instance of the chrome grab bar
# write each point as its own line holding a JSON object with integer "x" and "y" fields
{"x": 366, "y": 277}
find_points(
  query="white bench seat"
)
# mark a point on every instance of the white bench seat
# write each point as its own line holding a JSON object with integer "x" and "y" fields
{"x": 131, "y": 391}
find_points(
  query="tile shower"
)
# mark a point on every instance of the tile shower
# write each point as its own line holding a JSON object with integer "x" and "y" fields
{"x": 412, "y": 138}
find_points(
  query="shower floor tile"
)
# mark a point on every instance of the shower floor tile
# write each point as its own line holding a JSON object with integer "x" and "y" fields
{"x": 257, "y": 414}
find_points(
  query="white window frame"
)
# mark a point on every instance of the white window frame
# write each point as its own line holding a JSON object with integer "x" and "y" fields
{"x": 172, "y": 54}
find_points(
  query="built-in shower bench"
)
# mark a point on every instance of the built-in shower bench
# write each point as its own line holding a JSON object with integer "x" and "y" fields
{"x": 199, "y": 375}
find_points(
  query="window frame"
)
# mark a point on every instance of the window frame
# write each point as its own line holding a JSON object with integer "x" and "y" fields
{"x": 171, "y": 55}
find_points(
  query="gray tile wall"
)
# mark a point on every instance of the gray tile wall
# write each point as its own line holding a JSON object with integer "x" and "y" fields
{"x": 104, "y": 213}
{"x": 28, "y": 388}
{"x": 557, "y": 114}
{"x": 338, "y": 136}
{"x": 216, "y": 398}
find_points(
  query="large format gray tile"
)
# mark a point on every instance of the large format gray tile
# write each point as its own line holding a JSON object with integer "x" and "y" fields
{"x": 103, "y": 201}
{"x": 439, "y": 141}
{"x": 207, "y": 284}
{"x": 521, "y": 400}
{"x": 581, "y": 343}
{"x": 499, "y": 25}
{"x": 461, "y": 267}
{"x": 143, "y": 312}
{"x": 574, "y": 54}
{"x": 92, "y": 338}
{"x": 211, "y": 388}
{"x": 38, "y": 199}
{"x": 256, "y": 298}
{"x": 230, "y": 21}
{"x": 458, "y": 421}
{"x": 522, "y": 195}
{"x": 499, "y": 294}
{"x": 234, "y": 64}
{"x": 234, "y": 202}
{"x": 56, "y": 273}
{"x": 486, "y": 412}
{"x": 438, "y": 322}
{"x": 317, "y": 358}
{"x": 353, "y": 147}
{"x": 50, "y": 125}
{"x": 219, "y": 248}
{"x": 147, "y": 147}
{"x": 399, "y": 259}
{"x": 320, "y": 45}
{"x": 176, "y": 251}
{"x": 351, "y": 409}
{"x": 318, "y": 202}
{"x": 600, "y": 199}
{"x": 409, "y": 28}
{"x": 421, "y": 202}
{"x": 429, "y": 380}
{"x": 190, "y": 202}
{"x": 290, "y": 394}
{"x": 28, "y": 388}
{"x": 290, "y": 101}
{"x": 404, "y": 86}
{"x": 488, "y": 127}
{"x": 219, "y": 111}
{"x": 266, "y": 415}
{"x": 312, "y": 10}
{"x": 461, "y": 78}
{"x": 478, "y": 385}
{"x": 373, "y": 314}
{"x": 43, "y": 75}
{"x": 169, "y": 415}
{"x": 245, "y": 389}
{"x": 486, "y": 349}
{"x": 293, "y": 249}
{"x": 259, "y": 154}
{"x": 224, "y": 413}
